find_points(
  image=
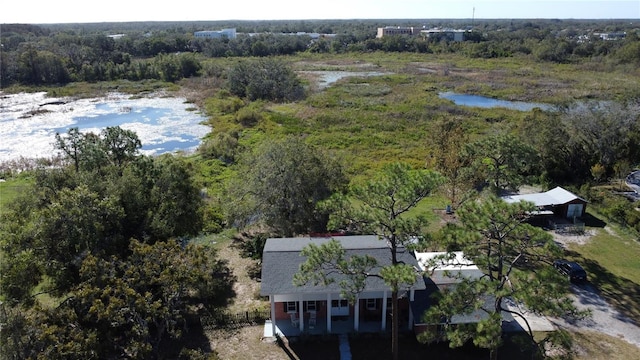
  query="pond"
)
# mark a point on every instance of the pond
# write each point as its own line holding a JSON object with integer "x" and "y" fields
{"x": 486, "y": 102}
{"x": 326, "y": 78}
{"x": 29, "y": 122}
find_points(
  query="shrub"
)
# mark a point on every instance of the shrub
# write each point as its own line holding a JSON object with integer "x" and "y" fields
{"x": 248, "y": 117}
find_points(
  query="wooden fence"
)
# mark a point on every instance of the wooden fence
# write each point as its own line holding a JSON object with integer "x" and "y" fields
{"x": 226, "y": 319}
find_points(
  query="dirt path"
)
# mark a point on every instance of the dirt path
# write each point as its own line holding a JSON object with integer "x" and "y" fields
{"x": 604, "y": 318}
{"x": 247, "y": 290}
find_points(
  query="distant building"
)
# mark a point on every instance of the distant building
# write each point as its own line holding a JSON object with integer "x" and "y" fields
{"x": 397, "y": 30}
{"x": 448, "y": 34}
{"x": 216, "y": 34}
{"x": 611, "y": 36}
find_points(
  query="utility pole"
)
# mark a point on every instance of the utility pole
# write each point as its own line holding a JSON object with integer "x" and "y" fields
{"x": 473, "y": 15}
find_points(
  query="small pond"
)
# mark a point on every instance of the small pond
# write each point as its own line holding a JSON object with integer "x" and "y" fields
{"x": 326, "y": 78}
{"x": 486, "y": 102}
{"x": 29, "y": 122}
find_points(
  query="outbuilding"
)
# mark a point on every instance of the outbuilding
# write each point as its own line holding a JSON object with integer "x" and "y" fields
{"x": 557, "y": 201}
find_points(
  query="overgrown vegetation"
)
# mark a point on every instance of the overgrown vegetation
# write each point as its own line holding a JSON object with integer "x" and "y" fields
{"x": 103, "y": 236}
{"x": 279, "y": 145}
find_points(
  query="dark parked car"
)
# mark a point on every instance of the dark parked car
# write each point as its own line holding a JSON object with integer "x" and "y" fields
{"x": 571, "y": 269}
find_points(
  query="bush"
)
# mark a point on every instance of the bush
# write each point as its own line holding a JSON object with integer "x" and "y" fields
{"x": 213, "y": 220}
{"x": 248, "y": 117}
{"x": 265, "y": 79}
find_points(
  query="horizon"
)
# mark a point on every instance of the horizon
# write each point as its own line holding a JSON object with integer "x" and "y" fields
{"x": 40, "y": 12}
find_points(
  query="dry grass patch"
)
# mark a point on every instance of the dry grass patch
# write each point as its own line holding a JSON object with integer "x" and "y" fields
{"x": 597, "y": 346}
{"x": 246, "y": 289}
{"x": 243, "y": 343}
{"x": 246, "y": 344}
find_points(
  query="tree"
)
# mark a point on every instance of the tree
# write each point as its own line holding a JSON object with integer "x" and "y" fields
{"x": 77, "y": 222}
{"x": 176, "y": 203}
{"x": 515, "y": 259}
{"x": 66, "y": 216}
{"x": 265, "y": 79}
{"x": 114, "y": 146}
{"x": 382, "y": 206}
{"x": 122, "y": 307}
{"x": 606, "y": 132}
{"x": 282, "y": 182}
{"x": 561, "y": 161}
{"x": 71, "y": 145}
{"x": 120, "y": 145}
{"x": 448, "y": 159}
{"x": 502, "y": 160}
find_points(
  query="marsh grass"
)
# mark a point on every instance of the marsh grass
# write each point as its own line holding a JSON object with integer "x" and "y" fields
{"x": 377, "y": 119}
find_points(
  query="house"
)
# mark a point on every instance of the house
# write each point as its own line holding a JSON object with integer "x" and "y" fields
{"x": 321, "y": 309}
{"x": 443, "y": 272}
{"x": 557, "y": 201}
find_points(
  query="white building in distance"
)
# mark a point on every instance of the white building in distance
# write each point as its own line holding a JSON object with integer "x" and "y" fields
{"x": 448, "y": 34}
{"x": 216, "y": 34}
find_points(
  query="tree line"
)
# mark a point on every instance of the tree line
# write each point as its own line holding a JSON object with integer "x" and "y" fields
{"x": 40, "y": 55}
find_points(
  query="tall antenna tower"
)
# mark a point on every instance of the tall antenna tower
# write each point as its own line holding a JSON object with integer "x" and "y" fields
{"x": 473, "y": 15}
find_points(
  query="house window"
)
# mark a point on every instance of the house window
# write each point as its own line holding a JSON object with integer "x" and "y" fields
{"x": 311, "y": 306}
{"x": 372, "y": 304}
{"x": 339, "y": 303}
{"x": 291, "y": 306}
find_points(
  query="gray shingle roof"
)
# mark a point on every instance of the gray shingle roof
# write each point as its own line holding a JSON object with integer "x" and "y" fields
{"x": 281, "y": 260}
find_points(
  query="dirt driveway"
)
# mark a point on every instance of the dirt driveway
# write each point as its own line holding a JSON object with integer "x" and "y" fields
{"x": 604, "y": 317}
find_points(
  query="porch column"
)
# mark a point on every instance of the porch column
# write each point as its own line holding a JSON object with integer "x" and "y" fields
{"x": 273, "y": 315}
{"x": 411, "y": 298}
{"x": 384, "y": 310}
{"x": 356, "y": 314}
{"x": 329, "y": 312}
{"x": 301, "y": 317}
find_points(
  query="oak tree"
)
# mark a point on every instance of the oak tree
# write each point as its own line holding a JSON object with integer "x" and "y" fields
{"x": 281, "y": 183}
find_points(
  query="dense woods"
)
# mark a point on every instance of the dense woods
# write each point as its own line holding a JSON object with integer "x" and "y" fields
{"x": 100, "y": 250}
{"x": 103, "y": 238}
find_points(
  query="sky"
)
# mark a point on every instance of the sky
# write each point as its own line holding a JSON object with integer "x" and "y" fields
{"x": 74, "y": 11}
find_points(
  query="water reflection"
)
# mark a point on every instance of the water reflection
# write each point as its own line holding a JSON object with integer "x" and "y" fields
{"x": 486, "y": 102}
{"x": 29, "y": 121}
